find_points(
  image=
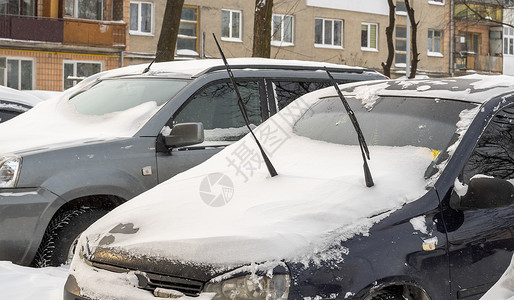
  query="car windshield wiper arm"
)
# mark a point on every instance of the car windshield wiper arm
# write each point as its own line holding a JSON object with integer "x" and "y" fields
{"x": 242, "y": 108}
{"x": 360, "y": 136}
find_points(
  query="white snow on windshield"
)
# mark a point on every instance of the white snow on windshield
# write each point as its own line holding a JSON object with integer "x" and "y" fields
{"x": 55, "y": 121}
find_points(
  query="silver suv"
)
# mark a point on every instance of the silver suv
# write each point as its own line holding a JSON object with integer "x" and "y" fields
{"x": 66, "y": 163}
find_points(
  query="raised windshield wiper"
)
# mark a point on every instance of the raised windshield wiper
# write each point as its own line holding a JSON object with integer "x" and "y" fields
{"x": 360, "y": 136}
{"x": 242, "y": 108}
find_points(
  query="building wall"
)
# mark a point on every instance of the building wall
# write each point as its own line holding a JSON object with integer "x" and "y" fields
{"x": 48, "y": 65}
{"x": 508, "y": 59}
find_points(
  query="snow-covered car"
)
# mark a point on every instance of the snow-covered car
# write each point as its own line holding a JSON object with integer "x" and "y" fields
{"x": 119, "y": 133}
{"x": 438, "y": 223}
{"x": 14, "y": 103}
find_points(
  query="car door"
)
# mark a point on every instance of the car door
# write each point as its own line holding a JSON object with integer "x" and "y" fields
{"x": 482, "y": 242}
{"x": 216, "y": 107}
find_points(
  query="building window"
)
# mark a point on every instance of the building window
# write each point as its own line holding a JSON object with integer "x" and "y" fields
{"x": 282, "y": 30}
{"x": 141, "y": 15}
{"x": 369, "y": 36}
{"x": 187, "y": 40}
{"x": 76, "y": 71}
{"x": 400, "y": 49}
{"x": 328, "y": 33}
{"x": 84, "y": 9}
{"x": 231, "y": 25}
{"x": 508, "y": 40}
{"x": 17, "y": 73}
{"x": 401, "y": 9}
{"x": 18, "y": 7}
{"x": 434, "y": 42}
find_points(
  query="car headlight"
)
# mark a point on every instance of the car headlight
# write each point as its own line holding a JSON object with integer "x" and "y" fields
{"x": 251, "y": 287}
{"x": 9, "y": 171}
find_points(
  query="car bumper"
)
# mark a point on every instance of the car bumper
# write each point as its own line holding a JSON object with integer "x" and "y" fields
{"x": 24, "y": 215}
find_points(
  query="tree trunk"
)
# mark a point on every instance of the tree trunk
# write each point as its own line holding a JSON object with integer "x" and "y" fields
{"x": 414, "y": 46}
{"x": 389, "y": 36}
{"x": 169, "y": 31}
{"x": 262, "y": 28}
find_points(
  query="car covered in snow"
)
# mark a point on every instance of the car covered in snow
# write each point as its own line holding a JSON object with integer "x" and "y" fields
{"x": 436, "y": 222}
{"x": 121, "y": 132}
{"x": 14, "y": 103}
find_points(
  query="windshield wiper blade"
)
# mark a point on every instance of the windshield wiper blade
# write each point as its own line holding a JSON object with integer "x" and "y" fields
{"x": 242, "y": 108}
{"x": 360, "y": 136}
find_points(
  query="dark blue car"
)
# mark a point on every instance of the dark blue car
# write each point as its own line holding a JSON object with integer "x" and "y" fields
{"x": 438, "y": 222}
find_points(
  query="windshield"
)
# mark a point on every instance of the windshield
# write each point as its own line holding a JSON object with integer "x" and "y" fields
{"x": 115, "y": 95}
{"x": 393, "y": 121}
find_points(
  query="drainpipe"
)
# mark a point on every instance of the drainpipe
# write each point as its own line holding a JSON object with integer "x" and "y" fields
{"x": 122, "y": 59}
{"x": 452, "y": 39}
{"x": 407, "y": 58}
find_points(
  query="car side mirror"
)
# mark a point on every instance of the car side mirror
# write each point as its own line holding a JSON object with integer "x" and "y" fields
{"x": 185, "y": 134}
{"x": 484, "y": 193}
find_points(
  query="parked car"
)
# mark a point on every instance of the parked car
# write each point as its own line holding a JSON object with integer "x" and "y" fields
{"x": 14, "y": 102}
{"x": 438, "y": 223}
{"x": 108, "y": 139}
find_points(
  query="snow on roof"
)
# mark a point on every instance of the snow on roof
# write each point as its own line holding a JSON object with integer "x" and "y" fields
{"x": 12, "y": 95}
{"x": 472, "y": 88}
{"x": 193, "y": 67}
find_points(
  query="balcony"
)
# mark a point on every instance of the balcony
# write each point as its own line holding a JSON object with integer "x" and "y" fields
{"x": 479, "y": 63}
{"x": 68, "y": 31}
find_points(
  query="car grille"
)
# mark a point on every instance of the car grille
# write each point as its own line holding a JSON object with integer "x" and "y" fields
{"x": 151, "y": 281}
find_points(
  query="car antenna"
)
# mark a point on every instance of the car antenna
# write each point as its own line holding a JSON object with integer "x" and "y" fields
{"x": 362, "y": 141}
{"x": 148, "y": 68}
{"x": 242, "y": 108}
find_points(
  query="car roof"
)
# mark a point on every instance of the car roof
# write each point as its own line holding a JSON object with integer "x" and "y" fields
{"x": 18, "y": 97}
{"x": 196, "y": 68}
{"x": 471, "y": 88}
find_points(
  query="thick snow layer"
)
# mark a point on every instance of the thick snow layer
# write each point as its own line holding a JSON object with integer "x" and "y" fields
{"x": 318, "y": 198}
{"x": 56, "y": 122}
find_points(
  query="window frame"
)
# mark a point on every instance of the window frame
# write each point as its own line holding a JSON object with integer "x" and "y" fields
{"x": 323, "y": 29}
{"x": 436, "y": 2}
{"x": 75, "y": 13}
{"x": 432, "y": 44}
{"x": 368, "y": 48}
{"x": 5, "y": 71}
{"x": 140, "y": 19}
{"x": 508, "y": 35}
{"x": 196, "y": 23}
{"x": 281, "y": 42}
{"x": 231, "y": 38}
{"x": 75, "y": 62}
{"x": 396, "y": 51}
{"x": 401, "y": 12}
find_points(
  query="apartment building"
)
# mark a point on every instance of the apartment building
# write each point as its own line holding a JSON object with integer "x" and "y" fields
{"x": 345, "y": 32}
{"x": 53, "y": 44}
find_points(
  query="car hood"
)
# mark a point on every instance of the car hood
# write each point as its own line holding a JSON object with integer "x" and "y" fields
{"x": 54, "y": 123}
{"x": 229, "y": 210}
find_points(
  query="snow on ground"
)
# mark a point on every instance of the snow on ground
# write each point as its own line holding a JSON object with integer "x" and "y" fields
{"x": 24, "y": 283}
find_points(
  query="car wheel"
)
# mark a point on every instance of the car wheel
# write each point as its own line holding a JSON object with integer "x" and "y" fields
{"x": 387, "y": 295}
{"x": 61, "y": 236}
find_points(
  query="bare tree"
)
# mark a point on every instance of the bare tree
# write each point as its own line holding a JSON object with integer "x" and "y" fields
{"x": 262, "y": 28}
{"x": 389, "y": 37}
{"x": 169, "y": 31}
{"x": 414, "y": 38}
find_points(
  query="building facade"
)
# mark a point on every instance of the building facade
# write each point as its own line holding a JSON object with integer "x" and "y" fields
{"x": 53, "y": 44}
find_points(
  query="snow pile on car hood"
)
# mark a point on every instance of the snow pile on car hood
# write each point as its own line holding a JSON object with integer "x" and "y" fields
{"x": 229, "y": 210}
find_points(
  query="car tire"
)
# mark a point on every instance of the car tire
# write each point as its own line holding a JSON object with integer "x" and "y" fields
{"x": 387, "y": 295}
{"x": 61, "y": 235}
